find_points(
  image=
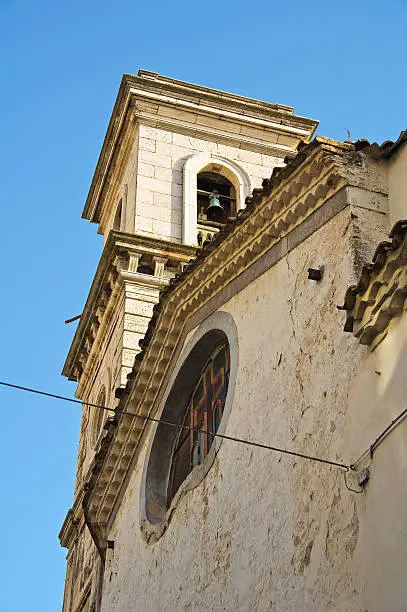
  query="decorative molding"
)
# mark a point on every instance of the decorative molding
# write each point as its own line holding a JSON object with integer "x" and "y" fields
{"x": 381, "y": 292}
{"x": 121, "y": 257}
{"x": 205, "y": 233}
{"x": 237, "y": 140}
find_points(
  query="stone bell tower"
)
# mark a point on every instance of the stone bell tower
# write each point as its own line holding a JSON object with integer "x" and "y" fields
{"x": 177, "y": 161}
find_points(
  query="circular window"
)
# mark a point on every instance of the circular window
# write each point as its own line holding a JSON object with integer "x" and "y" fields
{"x": 198, "y": 402}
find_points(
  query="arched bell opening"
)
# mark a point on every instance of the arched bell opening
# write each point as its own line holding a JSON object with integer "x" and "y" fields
{"x": 214, "y": 189}
{"x": 216, "y": 198}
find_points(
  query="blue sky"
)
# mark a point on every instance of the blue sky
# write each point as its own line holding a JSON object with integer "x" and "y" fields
{"x": 340, "y": 62}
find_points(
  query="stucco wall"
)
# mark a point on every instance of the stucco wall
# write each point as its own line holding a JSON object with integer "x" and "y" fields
{"x": 264, "y": 531}
{"x": 398, "y": 185}
{"x": 378, "y": 394}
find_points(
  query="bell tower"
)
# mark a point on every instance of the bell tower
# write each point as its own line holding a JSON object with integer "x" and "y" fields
{"x": 177, "y": 162}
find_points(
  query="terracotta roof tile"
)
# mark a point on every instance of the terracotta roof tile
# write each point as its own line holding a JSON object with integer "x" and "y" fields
{"x": 386, "y": 149}
{"x": 371, "y": 274}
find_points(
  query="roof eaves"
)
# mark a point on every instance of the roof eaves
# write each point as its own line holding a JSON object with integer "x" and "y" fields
{"x": 369, "y": 271}
{"x": 385, "y": 150}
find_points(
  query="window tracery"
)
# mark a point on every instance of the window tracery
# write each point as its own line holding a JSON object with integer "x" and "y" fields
{"x": 202, "y": 416}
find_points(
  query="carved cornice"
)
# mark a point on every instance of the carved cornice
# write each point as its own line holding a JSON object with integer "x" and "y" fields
{"x": 119, "y": 262}
{"x": 152, "y": 81}
{"x": 67, "y": 532}
{"x": 381, "y": 291}
{"x": 237, "y": 140}
{"x": 290, "y": 196}
{"x": 72, "y": 522}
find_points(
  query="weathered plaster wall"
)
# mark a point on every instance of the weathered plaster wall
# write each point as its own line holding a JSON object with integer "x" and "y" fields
{"x": 378, "y": 394}
{"x": 265, "y": 531}
{"x": 398, "y": 185}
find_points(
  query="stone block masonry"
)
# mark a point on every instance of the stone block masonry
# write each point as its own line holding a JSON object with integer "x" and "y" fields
{"x": 162, "y": 155}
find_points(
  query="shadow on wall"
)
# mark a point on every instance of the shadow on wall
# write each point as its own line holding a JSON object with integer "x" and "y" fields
{"x": 378, "y": 395}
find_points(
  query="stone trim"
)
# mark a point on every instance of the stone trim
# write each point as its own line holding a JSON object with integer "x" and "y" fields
{"x": 67, "y": 531}
{"x": 381, "y": 292}
{"x": 196, "y": 106}
{"x": 218, "y": 135}
{"x": 152, "y": 81}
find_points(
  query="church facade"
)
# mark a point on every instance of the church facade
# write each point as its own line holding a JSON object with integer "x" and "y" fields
{"x": 246, "y": 333}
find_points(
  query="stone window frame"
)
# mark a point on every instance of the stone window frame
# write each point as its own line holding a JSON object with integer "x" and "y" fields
{"x": 203, "y": 162}
{"x": 155, "y": 513}
{"x": 98, "y": 417}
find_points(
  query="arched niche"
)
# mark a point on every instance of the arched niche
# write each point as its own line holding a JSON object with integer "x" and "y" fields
{"x": 208, "y": 162}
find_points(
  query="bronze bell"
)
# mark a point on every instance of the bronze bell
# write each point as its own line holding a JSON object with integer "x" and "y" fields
{"x": 215, "y": 210}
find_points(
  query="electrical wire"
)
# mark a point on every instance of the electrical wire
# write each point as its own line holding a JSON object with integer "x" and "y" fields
{"x": 178, "y": 426}
{"x": 380, "y": 438}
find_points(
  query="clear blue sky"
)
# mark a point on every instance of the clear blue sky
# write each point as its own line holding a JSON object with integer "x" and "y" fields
{"x": 343, "y": 63}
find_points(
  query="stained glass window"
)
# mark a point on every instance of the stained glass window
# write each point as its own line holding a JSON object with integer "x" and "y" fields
{"x": 203, "y": 415}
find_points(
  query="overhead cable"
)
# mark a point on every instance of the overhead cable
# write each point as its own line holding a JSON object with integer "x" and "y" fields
{"x": 178, "y": 426}
{"x": 380, "y": 438}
